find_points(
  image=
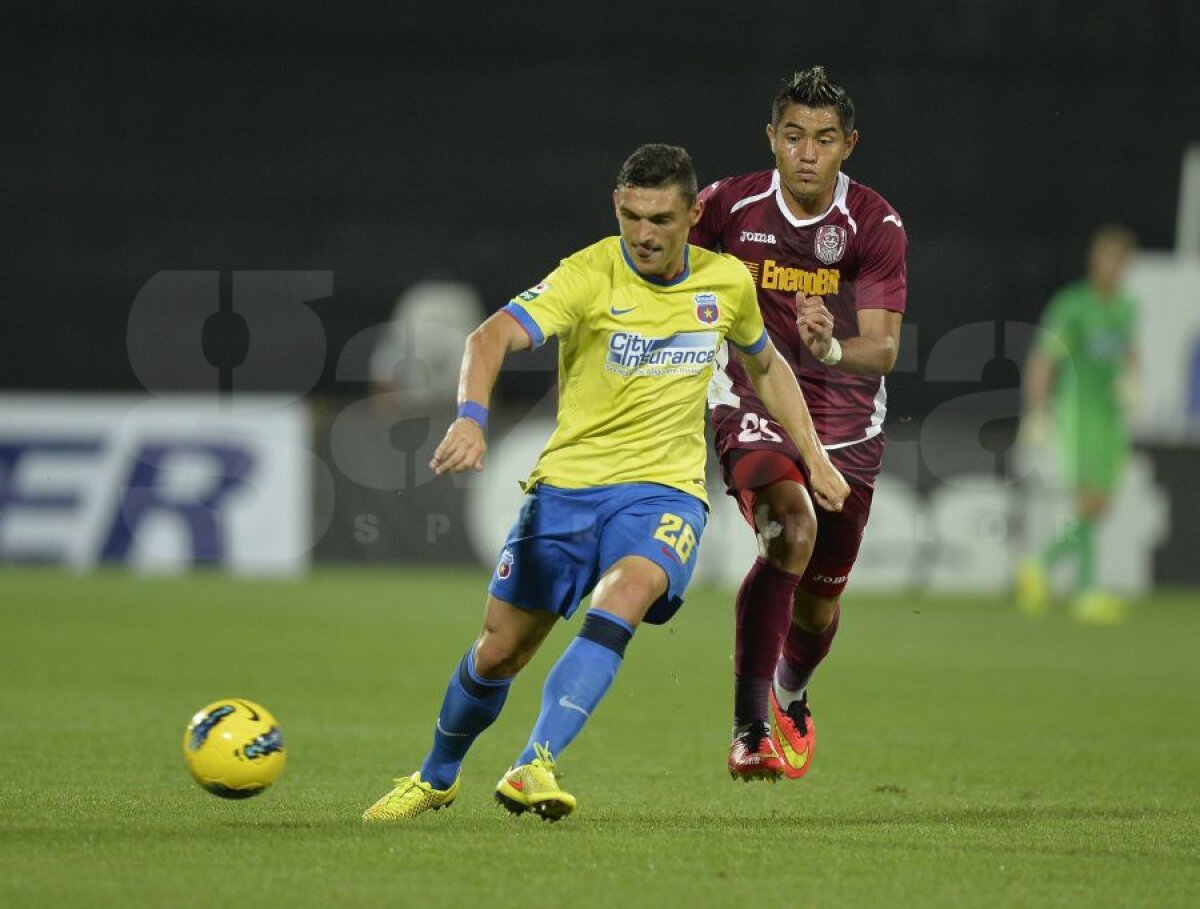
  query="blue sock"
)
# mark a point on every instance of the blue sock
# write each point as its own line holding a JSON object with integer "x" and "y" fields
{"x": 469, "y": 707}
{"x": 578, "y": 681}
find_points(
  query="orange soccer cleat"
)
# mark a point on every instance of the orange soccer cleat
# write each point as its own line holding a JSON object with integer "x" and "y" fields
{"x": 794, "y": 735}
{"x": 752, "y": 755}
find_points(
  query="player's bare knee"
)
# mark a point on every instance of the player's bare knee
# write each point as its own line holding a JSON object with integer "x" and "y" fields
{"x": 499, "y": 656}
{"x": 1091, "y": 505}
{"x": 788, "y": 537}
{"x": 630, "y": 588}
{"x": 627, "y": 598}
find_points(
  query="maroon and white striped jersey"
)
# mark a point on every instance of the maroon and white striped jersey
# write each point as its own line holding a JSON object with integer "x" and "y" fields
{"x": 853, "y": 256}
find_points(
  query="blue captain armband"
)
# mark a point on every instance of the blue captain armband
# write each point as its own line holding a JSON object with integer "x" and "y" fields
{"x": 474, "y": 412}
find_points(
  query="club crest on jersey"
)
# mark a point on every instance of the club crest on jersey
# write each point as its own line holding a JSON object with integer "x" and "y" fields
{"x": 830, "y": 243}
{"x": 708, "y": 310}
{"x": 504, "y": 569}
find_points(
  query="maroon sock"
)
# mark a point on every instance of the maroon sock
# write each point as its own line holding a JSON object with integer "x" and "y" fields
{"x": 803, "y": 652}
{"x": 764, "y": 614}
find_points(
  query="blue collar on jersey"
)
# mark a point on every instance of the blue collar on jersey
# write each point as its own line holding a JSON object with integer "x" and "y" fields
{"x": 661, "y": 282}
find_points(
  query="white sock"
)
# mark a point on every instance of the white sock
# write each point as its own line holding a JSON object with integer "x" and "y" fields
{"x": 786, "y": 696}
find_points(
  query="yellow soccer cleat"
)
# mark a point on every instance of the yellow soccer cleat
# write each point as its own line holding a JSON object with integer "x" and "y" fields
{"x": 1033, "y": 590}
{"x": 1098, "y": 608}
{"x": 533, "y": 787}
{"x": 412, "y": 796}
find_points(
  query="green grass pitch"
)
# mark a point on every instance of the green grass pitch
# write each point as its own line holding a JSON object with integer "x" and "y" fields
{"x": 966, "y": 756}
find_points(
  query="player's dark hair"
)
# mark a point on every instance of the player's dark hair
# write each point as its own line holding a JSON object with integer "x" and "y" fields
{"x": 812, "y": 88}
{"x": 1116, "y": 234}
{"x": 656, "y": 165}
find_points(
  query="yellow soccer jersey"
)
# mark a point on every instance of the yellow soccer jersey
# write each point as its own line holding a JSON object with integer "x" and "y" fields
{"x": 635, "y": 356}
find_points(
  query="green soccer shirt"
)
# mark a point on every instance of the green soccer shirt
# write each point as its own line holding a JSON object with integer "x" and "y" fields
{"x": 1090, "y": 340}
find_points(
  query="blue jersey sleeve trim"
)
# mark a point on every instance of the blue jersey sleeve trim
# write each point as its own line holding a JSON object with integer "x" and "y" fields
{"x": 525, "y": 320}
{"x": 755, "y": 347}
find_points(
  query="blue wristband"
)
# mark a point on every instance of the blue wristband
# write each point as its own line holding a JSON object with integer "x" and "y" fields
{"x": 476, "y": 412}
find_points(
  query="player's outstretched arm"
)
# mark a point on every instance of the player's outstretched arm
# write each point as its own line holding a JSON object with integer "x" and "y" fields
{"x": 1129, "y": 385}
{"x": 1037, "y": 426}
{"x": 1038, "y": 379}
{"x": 776, "y": 387}
{"x": 872, "y": 352}
{"x": 487, "y": 346}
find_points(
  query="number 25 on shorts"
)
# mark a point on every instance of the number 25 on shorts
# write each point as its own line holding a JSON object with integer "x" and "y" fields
{"x": 677, "y": 534}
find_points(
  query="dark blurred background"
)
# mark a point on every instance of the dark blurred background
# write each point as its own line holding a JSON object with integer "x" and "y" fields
{"x": 390, "y": 143}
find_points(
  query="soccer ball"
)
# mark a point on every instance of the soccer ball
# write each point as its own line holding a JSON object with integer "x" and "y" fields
{"x": 234, "y": 748}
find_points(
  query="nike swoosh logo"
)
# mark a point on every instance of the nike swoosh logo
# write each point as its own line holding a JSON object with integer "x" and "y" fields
{"x": 893, "y": 218}
{"x": 620, "y": 312}
{"x": 564, "y": 701}
{"x": 796, "y": 759}
{"x": 444, "y": 731}
{"x": 253, "y": 712}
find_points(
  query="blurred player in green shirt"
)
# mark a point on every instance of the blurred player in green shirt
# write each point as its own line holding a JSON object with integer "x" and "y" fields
{"x": 1077, "y": 390}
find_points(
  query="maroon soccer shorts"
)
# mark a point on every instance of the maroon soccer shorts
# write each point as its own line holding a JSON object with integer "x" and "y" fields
{"x": 751, "y": 461}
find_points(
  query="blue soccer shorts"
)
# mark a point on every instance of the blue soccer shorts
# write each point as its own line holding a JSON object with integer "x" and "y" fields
{"x": 564, "y": 540}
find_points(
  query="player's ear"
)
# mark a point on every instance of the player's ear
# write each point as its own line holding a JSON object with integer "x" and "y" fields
{"x": 851, "y": 141}
{"x": 771, "y": 136}
{"x": 696, "y": 211}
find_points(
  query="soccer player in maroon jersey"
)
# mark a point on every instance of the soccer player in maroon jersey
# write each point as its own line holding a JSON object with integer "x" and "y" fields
{"x": 828, "y": 256}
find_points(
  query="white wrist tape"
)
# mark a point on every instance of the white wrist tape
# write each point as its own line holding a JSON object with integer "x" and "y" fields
{"x": 833, "y": 356}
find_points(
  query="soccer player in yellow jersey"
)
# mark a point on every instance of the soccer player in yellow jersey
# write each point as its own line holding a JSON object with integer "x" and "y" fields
{"x": 616, "y": 504}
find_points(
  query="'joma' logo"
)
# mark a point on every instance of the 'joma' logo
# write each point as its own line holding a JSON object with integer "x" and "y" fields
{"x": 754, "y": 236}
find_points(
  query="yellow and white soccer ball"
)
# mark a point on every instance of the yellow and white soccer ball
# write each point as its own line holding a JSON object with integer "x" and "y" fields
{"x": 234, "y": 748}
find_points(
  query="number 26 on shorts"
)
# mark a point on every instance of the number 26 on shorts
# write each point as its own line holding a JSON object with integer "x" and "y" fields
{"x": 677, "y": 534}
